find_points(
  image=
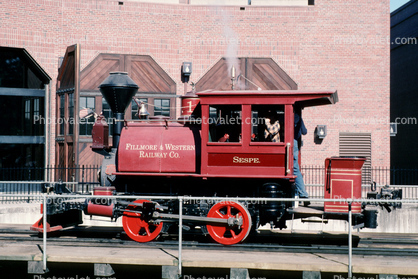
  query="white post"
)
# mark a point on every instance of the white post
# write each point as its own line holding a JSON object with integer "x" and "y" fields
{"x": 47, "y": 122}
{"x": 44, "y": 232}
{"x": 350, "y": 242}
{"x": 180, "y": 234}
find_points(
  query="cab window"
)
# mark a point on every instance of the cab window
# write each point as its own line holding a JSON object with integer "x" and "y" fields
{"x": 225, "y": 123}
{"x": 267, "y": 123}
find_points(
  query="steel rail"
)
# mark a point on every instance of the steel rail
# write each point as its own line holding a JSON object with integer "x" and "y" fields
{"x": 193, "y": 245}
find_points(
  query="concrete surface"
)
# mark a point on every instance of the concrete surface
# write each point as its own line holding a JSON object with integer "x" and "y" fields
{"x": 211, "y": 259}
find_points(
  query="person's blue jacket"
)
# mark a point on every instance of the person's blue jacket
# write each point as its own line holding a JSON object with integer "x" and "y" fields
{"x": 300, "y": 128}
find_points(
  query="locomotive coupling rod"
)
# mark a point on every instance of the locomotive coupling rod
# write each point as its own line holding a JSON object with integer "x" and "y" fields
{"x": 157, "y": 206}
{"x": 231, "y": 221}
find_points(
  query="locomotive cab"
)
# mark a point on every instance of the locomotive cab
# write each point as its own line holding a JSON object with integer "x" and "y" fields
{"x": 235, "y": 139}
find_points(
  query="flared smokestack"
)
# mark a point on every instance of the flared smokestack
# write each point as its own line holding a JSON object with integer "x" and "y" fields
{"x": 118, "y": 89}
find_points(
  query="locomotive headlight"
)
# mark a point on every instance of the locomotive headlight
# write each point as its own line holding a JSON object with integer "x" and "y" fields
{"x": 321, "y": 131}
{"x": 187, "y": 68}
{"x": 393, "y": 129}
{"x": 186, "y": 71}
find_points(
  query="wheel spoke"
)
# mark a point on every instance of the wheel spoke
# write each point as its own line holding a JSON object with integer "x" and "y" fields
{"x": 228, "y": 211}
{"x": 219, "y": 214}
{"x": 147, "y": 230}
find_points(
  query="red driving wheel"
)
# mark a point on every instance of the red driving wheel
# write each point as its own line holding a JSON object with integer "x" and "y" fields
{"x": 229, "y": 234}
{"x": 137, "y": 228}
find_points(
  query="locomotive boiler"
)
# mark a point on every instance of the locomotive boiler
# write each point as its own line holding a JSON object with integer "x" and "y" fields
{"x": 217, "y": 148}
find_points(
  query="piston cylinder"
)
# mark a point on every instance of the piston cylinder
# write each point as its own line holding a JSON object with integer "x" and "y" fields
{"x": 99, "y": 209}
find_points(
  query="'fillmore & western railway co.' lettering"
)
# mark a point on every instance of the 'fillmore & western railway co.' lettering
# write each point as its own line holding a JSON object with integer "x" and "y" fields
{"x": 155, "y": 151}
{"x": 167, "y": 146}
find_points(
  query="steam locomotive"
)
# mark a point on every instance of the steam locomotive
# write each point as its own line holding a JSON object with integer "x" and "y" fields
{"x": 217, "y": 148}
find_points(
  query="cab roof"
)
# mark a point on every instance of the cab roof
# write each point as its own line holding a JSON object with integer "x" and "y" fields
{"x": 302, "y": 98}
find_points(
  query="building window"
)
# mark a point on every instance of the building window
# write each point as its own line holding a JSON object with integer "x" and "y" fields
{"x": 87, "y": 108}
{"x": 62, "y": 115}
{"x": 108, "y": 114}
{"x": 71, "y": 113}
{"x": 37, "y": 116}
{"x": 162, "y": 107}
{"x": 134, "y": 110}
{"x": 21, "y": 155}
{"x": 26, "y": 114}
{"x": 33, "y": 117}
{"x": 17, "y": 71}
{"x": 36, "y": 107}
{"x": 22, "y": 115}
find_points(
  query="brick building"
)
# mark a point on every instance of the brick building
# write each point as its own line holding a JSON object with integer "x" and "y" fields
{"x": 319, "y": 45}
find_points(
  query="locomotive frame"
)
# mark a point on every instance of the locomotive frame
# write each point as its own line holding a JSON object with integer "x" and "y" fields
{"x": 216, "y": 149}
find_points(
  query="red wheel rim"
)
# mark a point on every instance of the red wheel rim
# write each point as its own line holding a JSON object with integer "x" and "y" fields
{"x": 137, "y": 228}
{"x": 224, "y": 233}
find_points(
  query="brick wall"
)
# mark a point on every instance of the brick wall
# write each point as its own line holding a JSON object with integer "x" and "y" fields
{"x": 335, "y": 44}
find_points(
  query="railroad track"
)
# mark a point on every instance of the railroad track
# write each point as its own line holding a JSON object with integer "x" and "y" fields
{"x": 367, "y": 244}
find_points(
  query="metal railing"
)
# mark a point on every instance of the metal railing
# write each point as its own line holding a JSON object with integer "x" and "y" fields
{"x": 380, "y": 175}
{"x": 405, "y": 179}
{"x": 312, "y": 174}
{"x": 408, "y": 191}
{"x": 31, "y": 180}
{"x": 182, "y": 199}
{"x": 84, "y": 173}
{"x": 20, "y": 188}
{"x": 24, "y": 187}
{"x": 34, "y": 188}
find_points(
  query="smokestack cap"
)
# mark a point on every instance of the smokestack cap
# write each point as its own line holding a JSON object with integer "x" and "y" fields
{"x": 118, "y": 89}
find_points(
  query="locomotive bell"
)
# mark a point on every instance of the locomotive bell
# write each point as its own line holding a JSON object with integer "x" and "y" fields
{"x": 118, "y": 89}
{"x": 143, "y": 112}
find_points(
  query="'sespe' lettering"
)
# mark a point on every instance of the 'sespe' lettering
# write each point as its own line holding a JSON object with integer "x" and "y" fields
{"x": 244, "y": 160}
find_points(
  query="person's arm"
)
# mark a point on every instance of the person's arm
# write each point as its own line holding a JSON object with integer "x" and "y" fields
{"x": 225, "y": 138}
{"x": 303, "y": 129}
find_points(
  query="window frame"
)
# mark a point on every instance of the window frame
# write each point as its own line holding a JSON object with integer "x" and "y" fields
{"x": 282, "y": 124}
{"x": 61, "y": 110}
{"x": 237, "y": 143}
{"x": 89, "y": 121}
{"x": 163, "y": 108}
